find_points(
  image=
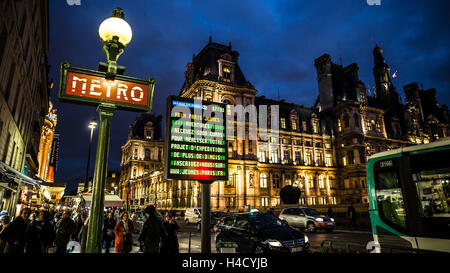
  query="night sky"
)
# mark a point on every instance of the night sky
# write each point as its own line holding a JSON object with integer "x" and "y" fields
{"x": 277, "y": 41}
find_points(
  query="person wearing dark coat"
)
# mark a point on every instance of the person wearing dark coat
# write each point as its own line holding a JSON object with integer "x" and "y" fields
{"x": 39, "y": 234}
{"x": 170, "y": 242}
{"x": 351, "y": 216}
{"x": 78, "y": 225}
{"x": 65, "y": 228}
{"x": 14, "y": 233}
{"x": 152, "y": 231}
{"x": 108, "y": 231}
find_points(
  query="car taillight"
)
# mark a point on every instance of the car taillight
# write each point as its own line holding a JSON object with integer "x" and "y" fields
{"x": 216, "y": 228}
{"x": 279, "y": 215}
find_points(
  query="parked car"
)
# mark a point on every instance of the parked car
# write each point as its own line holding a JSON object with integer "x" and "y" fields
{"x": 308, "y": 219}
{"x": 191, "y": 215}
{"x": 216, "y": 217}
{"x": 259, "y": 233}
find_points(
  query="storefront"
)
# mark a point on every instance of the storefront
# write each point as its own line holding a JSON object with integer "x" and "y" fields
{"x": 17, "y": 190}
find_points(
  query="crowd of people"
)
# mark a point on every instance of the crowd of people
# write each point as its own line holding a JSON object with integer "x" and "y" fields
{"x": 52, "y": 231}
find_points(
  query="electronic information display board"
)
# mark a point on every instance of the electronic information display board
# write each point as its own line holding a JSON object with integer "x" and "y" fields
{"x": 195, "y": 144}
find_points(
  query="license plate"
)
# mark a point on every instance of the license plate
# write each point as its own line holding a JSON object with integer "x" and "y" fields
{"x": 228, "y": 250}
{"x": 330, "y": 224}
{"x": 296, "y": 249}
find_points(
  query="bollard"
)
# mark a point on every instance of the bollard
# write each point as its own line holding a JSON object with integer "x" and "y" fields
{"x": 189, "y": 248}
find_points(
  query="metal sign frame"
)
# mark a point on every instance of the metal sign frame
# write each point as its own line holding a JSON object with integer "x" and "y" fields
{"x": 63, "y": 97}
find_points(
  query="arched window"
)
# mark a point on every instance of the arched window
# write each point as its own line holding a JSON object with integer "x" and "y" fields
{"x": 263, "y": 180}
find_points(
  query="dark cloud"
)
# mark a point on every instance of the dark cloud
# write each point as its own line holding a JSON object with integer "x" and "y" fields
{"x": 277, "y": 40}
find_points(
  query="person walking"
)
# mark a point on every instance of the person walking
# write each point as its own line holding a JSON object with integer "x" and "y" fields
{"x": 108, "y": 231}
{"x": 123, "y": 234}
{"x": 4, "y": 221}
{"x": 14, "y": 234}
{"x": 351, "y": 216}
{"x": 39, "y": 234}
{"x": 65, "y": 228}
{"x": 78, "y": 225}
{"x": 170, "y": 242}
{"x": 152, "y": 231}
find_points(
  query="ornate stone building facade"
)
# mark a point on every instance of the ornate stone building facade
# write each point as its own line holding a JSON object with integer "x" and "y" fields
{"x": 321, "y": 149}
{"x": 24, "y": 94}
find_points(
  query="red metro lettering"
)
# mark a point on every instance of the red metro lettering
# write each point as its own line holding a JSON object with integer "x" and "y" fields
{"x": 89, "y": 86}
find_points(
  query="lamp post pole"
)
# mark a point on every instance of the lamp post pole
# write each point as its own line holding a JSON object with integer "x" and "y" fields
{"x": 86, "y": 180}
{"x": 205, "y": 231}
{"x": 94, "y": 237}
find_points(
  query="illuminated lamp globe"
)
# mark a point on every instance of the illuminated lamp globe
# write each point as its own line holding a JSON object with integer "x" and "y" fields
{"x": 115, "y": 26}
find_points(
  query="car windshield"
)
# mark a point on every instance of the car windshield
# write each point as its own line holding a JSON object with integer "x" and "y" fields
{"x": 266, "y": 221}
{"x": 311, "y": 212}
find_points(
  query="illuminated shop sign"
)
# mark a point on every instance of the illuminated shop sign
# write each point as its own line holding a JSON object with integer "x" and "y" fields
{"x": 195, "y": 144}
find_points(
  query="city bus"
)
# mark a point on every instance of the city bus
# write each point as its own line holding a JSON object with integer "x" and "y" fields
{"x": 409, "y": 198}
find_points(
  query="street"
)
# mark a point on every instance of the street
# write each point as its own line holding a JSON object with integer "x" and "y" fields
{"x": 341, "y": 234}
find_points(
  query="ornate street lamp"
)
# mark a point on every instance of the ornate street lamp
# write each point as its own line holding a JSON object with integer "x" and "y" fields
{"x": 115, "y": 34}
{"x": 92, "y": 125}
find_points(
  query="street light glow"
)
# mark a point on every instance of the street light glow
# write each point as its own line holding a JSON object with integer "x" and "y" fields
{"x": 115, "y": 26}
{"x": 93, "y": 124}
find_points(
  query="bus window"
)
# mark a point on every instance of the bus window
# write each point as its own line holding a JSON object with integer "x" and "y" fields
{"x": 390, "y": 199}
{"x": 431, "y": 176}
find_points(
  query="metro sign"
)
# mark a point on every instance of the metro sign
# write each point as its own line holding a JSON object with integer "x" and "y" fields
{"x": 84, "y": 86}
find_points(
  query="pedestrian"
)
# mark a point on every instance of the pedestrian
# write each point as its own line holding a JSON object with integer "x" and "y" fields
{"x": 152, "y": 231}
{"x": 351, "y": 216}
{"x": 108, "y": 231}
{"x": 14, "y": 234}
{"x": 4, "y": 219}
{"x": 39, "y": 234}
{"x": 78, "y": 225}
{"x": 123, "y": 234}
{"x": 82, "y": 235}
{"x": 330, "y": 212}
{"x": 65, "y": 228}
{"x": 170, "y": 242}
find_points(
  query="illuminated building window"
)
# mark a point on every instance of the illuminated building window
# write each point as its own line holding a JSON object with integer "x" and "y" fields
{"x": 286, "y": 156}
{"x": 328, "y": 160}
{"x": 250, "y": 146}
{"x": 288, "y": 180}
{"x": 333, "y": 200}
{"x": 230, "y": 149}
{"x": 315, "y": 127}
{"x": 339, "y": 125}
{"x": 294, "y": 124}
{"x": 283, "y": 123}
{"x": 379, "y": 126}
{"x": 321, "y": 183}
{"x": 262, "y": 156}
{"x": 274, "y": 156}
{"x": 308, "y": 158}
{"x": 263, "y": 180}
{"x": 344, "y": 161}
{"x": 226, "y": 73}
{"x": 297, "y": 157}
{"x": 264, "y": 202}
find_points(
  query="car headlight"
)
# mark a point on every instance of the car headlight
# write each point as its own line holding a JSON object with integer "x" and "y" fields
{"x": 319, "y": 219}
{"x": 274, "y": 243}
{"x": 306, "y": 239}
{"x": 332, "y": 219}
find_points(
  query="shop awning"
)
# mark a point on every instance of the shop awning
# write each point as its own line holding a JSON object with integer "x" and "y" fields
{"x": 110, "y": 200}
{"x": 12, "y": 174}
